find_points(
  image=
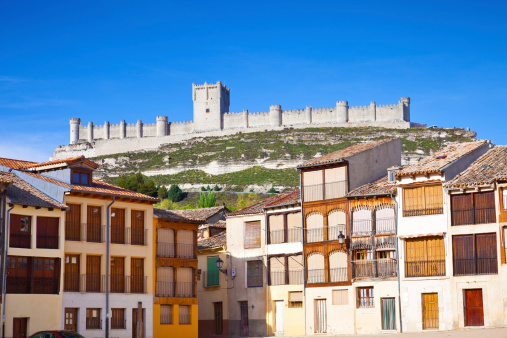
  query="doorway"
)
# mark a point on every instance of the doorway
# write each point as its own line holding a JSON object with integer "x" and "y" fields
{"x": 19, "y": 328}
{"x": 279, "y": 308}
{"x": 430, "y": 311}
{"x": 474, "y": 312}
{"x": 135, "y": 322}
{"x": 320, "y": 316}
{"x": 244, "y": 319}
{"x": 71, "y": 319}
{"x": 219, "y": 326}
{"x": 388, "y": 314}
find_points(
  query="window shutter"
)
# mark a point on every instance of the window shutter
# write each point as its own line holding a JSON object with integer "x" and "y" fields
{"x": 254, "y": 273}
{"x": 463, "y": 254}
{"x": 340, "y": 297}
{"x": 295, "y": 296}
{"x": 462, "y": 209}
{"x": 252, "y": 235}
{"x": 484, "y": 206}
{"x": 486, "y": 253}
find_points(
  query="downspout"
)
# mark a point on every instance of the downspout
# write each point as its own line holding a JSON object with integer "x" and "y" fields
{"x": 397, "y": 258}
{"x": 268, "y": 289}
{"x": 4, "y": 273}
{"x": 107, "y": 265}
{"x": 302, "y": 243}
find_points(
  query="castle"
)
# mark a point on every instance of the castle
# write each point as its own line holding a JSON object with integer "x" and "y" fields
{"x": 212, "y": 118}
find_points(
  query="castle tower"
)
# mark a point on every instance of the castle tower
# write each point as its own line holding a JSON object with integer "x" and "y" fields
{"x": 74, "y": 130}
{"x": 308, "y": 115}
{"x": 211, "y": 101}
{"x": 342, "y": 111}
{"x": 405, "y": 106}
{"x": 162, "y": 123}
{"x": 275, "y": 115}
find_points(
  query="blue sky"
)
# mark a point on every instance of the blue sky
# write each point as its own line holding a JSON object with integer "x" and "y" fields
{"x": 114, "y": 60}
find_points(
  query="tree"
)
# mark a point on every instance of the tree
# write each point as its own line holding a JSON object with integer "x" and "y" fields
{"x": 139, "y": 183}
{"x": 272, "y": 191}
{"x": 216, "y": 188}
{"x": 206, "y": 200}
{"x": 203, "y": 188}
{"x": 162, "y": 192}
{"x": 175, "y": 194}
{"x": 208, "y": 188}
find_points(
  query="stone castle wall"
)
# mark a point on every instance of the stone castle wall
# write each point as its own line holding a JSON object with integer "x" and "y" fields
{"x": 211, "y": 114}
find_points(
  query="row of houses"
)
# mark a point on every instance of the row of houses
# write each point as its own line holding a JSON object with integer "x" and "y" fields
{"x": 366, "y": 246}
{"x": 82, "y": 255}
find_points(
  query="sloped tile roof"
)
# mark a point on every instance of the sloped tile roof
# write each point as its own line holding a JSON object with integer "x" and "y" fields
{"x": 256, "y": 208}
{"x": 217, "y": 241}
{"x": 488, "y": 168}
{"x": 287, "y": 199}
{"x": 5, "y": 178}
{"x": 220, "y": 224}
{"x": 342, "y": 154}
{"x": 380, "y": 186}
{"x": 66, "y": 161}
{"x": 15, "y": 164}
{"x": 169, "y": 215}
{"x": 440, "y": 159}
{"x": 201, "y": 214}
{"x": 22, "y": 193}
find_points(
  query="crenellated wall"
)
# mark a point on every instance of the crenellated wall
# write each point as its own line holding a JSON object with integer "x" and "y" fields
{"x": 211, "y": 114}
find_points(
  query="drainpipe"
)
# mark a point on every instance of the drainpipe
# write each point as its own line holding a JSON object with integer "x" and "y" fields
{"x": 107, "y": 265}
{"x": 4, "y": 274}
{"x": 303, "y": 244}
{"x": 397, "y": 258}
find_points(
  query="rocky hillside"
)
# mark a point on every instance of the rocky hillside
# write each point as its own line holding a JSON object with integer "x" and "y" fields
{"x": 258, "y": 161}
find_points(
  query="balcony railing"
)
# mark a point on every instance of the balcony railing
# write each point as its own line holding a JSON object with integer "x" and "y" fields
{"x": 362, "y": 227}
{"x": 93, "y": 282}
{"x": 164, "y": 289}
{"x": 475, "y": 266}
{"x": 211, "y": 278}
{"x": 185, "y": 250}
{"x": 20, "y": 240}
{"x": 184, "y": 289}
{"x": 18, "y": 284}
{"x": 39, "y": 285}
{"x": 117, "y": 283}
{"x": 384, "y": 226}
{"x": 138, "y": 236}
{"x": 137, "y": 284}
{"x": 72, "y": 231}
{"x": 315, "y": 192}
{"x": 292, "y": 235}
{"x": 338, "y": 275}
{"x": 371, "y": 268}
{"x": 316, "y": 276}
{"x": 317, "y": 234}
{"x": 94, "y": 232}
{"x": 291, "y": 277}
{"x": 483, "y": 215}
{"x": 118, "y": 234}
{"x": 422, "y": 212}
{"x": 165, "y": 249}
{"x": 47, "y": 242}
{"x": 425, "y": 268}
{"x": 71, "y": 282}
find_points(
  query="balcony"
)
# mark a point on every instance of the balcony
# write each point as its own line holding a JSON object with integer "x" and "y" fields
{"x": 119, "y": 234}
{"x": 93, "y": 282}
{"x": 317, "y": 234}
{"x": 316, "y": 276}
{"x": 475, "y": 266}
{"x": 71, "y": 282}
{"x": 137, "y": 284}
{"x": 385, "y": 226}
{"x": 47, "y": 242}
{"x": 184, "y": 289}
{"x": 39, "y": 285}
{"x": 284, "y": 236}
{"x": 72, "y": 231}
{"x": 185, "y": 250}
{"x": 425, "y": 211}
{"x": 45, "y": 285}
{"x": 211, "y": 278}
{"x": 165, "y": 249}
{"x": 20, "y": 240}
{"x": 338, "y": 275}
{"x": 372, "y": 268}
{"x": 118, "y": 283}
{"x": 292, "y": 277}
{"x": 164, "y": 289}
{"x": 18, "y": 284}
{"x": 319, "y": 192}
{"x": 428, "y": 268}
{"x": 138, "y": 236}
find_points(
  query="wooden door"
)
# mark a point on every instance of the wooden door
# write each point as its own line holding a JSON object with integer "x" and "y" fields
{"x": 94, "y": 224}
{"x": 474, "y": 313}
{"x": 71, "y": 319}
{"x": 279, "y": 307}
{"x": 219, "y": 324}
{"x": 93, "y": 274}
{"x": 19, "y": 328}
{"x": 137, "y": 278}
{"x": 244, "y": 319}
{"x": 388, "y": 314}
{"x": 71, "y": 273}
{"x": 117, "y": 226}
{"x": 430, "y": 311}
{"x": 135, "y": 321}
{"x": 320, "y": 316}
{"x": 73, "y": 223}
{"x": 47, "y": 232}
{"x": 137, "y": 224}
{"x": 117, "y": 274}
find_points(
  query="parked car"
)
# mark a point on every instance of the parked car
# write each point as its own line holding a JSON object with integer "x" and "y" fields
{"x": 56, "y": 334}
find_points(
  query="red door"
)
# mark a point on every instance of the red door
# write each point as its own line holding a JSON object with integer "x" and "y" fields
{"x": 19, "y": 329}
{"x": 474, "y": 313}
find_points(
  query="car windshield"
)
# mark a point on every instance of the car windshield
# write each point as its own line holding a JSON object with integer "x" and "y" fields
{"x": 70, "y": 335}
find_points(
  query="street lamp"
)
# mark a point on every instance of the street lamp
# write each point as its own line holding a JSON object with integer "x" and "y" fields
{"x": 341, "y": 238}
{"x": 220, "y": 264}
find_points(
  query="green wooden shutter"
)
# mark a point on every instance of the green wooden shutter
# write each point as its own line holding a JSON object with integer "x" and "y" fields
{"x": 213, "y": 279}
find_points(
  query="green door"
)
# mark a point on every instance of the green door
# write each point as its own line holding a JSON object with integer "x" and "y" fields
{"x": 212, "y": 279}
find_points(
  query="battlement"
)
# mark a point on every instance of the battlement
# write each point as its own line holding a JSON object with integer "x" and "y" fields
{"x": 211, "y": 113}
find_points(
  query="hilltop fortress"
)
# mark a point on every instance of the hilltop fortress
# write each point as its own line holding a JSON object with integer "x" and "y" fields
{"x": 212, "y": 118}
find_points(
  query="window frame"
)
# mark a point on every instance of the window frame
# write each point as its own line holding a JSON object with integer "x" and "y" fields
{"x": 251, "y": 284}
{"x": 89, "y": 318}
{"x": 80, "y": 174}
{"x": 368, "y": 296}
{"x": 294, "y": 304}
{"x": 124, "y": 322}
{"x": 252, "y": 241}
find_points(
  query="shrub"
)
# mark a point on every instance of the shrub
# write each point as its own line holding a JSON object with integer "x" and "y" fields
{"x": 162, "y": 192}
{"x": 272, "y": 191}
{"x": 175, "y": 194}
{"x": 206, "y": 200}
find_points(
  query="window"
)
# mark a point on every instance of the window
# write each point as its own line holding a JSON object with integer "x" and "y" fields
{"x": 207, "y": 110}
{"x": 137, "y": 228}
{"x": 32, "y": 275}
{"x": 185, "y": 282}
{"x": 424, "y": 257}
{"x": 504, "y": 199}
{"x": 478, "y": 208}
{"x": 313, "y": 186}
{"x": 93, "y": 319}
{"x": 314, "y": 228}
{"x": 166, "y": 312}
{"x": 213, "y": 278}
{"x": 315, "y": 266}
{"x": 164, "y": 286}
{"x": 118, "y": 319}
{"x": 81, "y": 177}
{"x": 338, "y": 267}
{"x": 254, "y": 274}
{"x": 47, "y": 232}
{"x": 252, "y": 235}
{"x": 365, "y": 297}
{"x": 184, "y": 314}
{"x": 295, "y": 299}
{"x": 474, "y": 254}
{"x": 340, "y": 297}
{"x": 426, "y": 200}
{"x": 20, "y": 234}
{"x": 362, "y": 222}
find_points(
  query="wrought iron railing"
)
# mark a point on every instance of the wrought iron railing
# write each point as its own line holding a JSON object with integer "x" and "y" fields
{"x": 185, "y": 250}
{"x": 117, "y": 283}
{"x": 291, "y": 277}
{"x": 164, "y": 289}
{"x": 475, "y": 266}
{"x": 371, "y": 268}
{"x": 45, "y": 285}
{"x": 425, "y": 268}
{"x": 138, "y": 236}
{"x": 424, "y": 211}
{"x": 95, "y": 233}
{"x": 165, "y": 249}
{"x": 118, "y": 234}
{"x": 184, "y": 289}
{"x": 93, "y": 282}
{"x": 137, "y": 284}
{"x": 361, "y": 227}
{"x": 338, "y": 275}
{"x": 317, "y": 234}
{"x": 315, "y": 192}
{"x": 384, "y": 226}
{"x": 18, "y": 284}
{"x": 316, "y": 276}
{"x": 292, "y": 235}
{"x": 71, "y": 282}
{"x": 72, "y": 231}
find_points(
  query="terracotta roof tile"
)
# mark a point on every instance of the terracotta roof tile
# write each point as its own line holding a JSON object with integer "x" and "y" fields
{"x": 14, "y": 164}
{"x": 380, "y": 186}
{"x": 66, "y": 161}
{"x": 288, "y": 199}
{"x": 344, "y": 153}
{"x": 5, "y": 178}
{"x": 169, "y": 215}
{"x": 201, "y": 214}
{"x": 216, "y": 241}
{"x": 220, "y": 224}
{"x": 22, "y": 193}
{"x": 439, "y": 160}
{"x": 256, "y": 208}
{"x": 488, "y": 168}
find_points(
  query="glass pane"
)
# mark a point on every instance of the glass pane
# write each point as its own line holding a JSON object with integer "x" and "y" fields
{"x": 75, "y": 178}
{"x": 84, "y": 178}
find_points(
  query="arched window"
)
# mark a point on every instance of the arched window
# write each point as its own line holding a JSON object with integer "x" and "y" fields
{"x": 165, "y": 282}
{"x": 336, "y": 222}
{"x": 361, "y": 222}
{"x": 338, "y": 267}
{"x": 165, "y": 242}
{"x": 316, "y": 268}
{"x": 314, "y": 228}
{"x": 384, "y": 220}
